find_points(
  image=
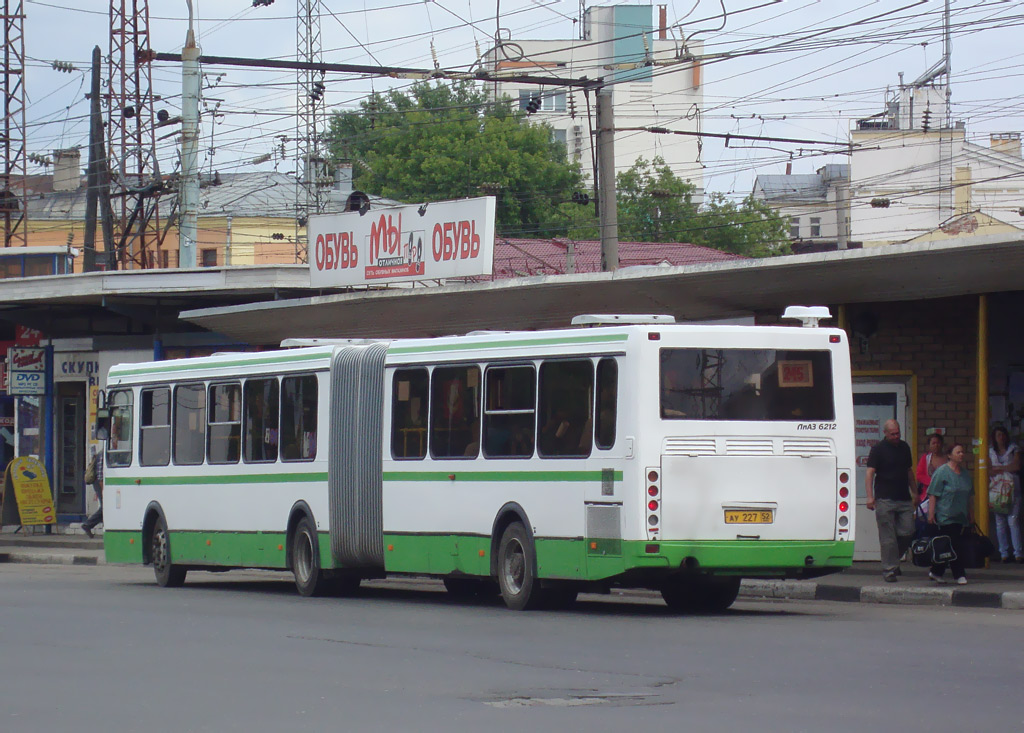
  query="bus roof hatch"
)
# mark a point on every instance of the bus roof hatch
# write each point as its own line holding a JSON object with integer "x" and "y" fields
{"x": 612, "y": 319}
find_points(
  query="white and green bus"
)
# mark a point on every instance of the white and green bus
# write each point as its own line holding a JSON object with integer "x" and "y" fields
{"x": 632, "y": 452}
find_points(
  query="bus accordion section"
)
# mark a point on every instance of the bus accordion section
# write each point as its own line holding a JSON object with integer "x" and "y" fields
{"x": 534, "y": 465}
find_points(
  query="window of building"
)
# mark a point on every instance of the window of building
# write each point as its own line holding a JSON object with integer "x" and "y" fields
{"x": 550, "y": 101}
{"x": 119, "y": 444}
{"x": 794, "y": 227}
{"x": 566, "y": 407}
{"x": 815, "y": 226}
{"x": 509, "y": 416}
{"x": 298, "y": 418}
{"x": 559, "y": 136}
{"x": 409, "y": 390}
{"x": 224, "y": 428}
{"x": 455, "y": 412}
{"x": 607, "y": 403}
{"x": 208, "y": 257}
{"x": 155, "y": 427}
{"x": 260, "y": 408}
{"x": 189, "y": 424}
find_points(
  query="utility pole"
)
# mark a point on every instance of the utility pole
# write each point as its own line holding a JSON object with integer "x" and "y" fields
{"x": 188, "y": 227}
{"x": 96, "y": 156}
{"x": 609, "y": 222}
{"x": 13, "y": 200}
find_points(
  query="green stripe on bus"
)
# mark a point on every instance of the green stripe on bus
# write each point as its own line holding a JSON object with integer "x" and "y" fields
{"x": 170, "y": 366}
{"x": 251, "y": 478}
{"x": 497, "y": 475}
{"x": 525, "y": 343}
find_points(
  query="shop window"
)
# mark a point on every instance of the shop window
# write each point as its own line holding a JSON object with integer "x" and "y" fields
{"x": 189, "y": 424}
{"x": 455, "y": 412}
{"x": 155, "y": 427}
{"x": 607, "y": 403}
{"x": 509, "y": 416}
{"x": 224, "y": 428}
{"x": 409, "y": 389}
{"x": 119, "y": 444}
{"x": 298, "y": 418}
{"x": 259, "y": 403}
{"x": 566, "y": 406}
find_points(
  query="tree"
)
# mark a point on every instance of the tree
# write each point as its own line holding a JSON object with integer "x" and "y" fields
{"x": 444, "y": 141}
{"x": 655, "y": 205}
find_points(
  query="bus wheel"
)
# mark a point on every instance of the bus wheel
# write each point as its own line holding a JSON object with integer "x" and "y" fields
{"x": 465, "y": 588}
{"x": 719, "y": 594}
{"x": 517, "y": 575}
{"x": 167, "y": 575}
{"x": 309, "y": 578}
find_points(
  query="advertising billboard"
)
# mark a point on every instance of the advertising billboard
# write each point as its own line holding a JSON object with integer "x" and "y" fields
{"x": 431, "y": 241}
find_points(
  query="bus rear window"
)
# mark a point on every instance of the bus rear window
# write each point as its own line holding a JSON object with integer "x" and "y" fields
{"x": 746, "y": 384}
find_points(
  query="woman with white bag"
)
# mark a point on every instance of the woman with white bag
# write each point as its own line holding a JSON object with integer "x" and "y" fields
{"x": 1004, "y": 463}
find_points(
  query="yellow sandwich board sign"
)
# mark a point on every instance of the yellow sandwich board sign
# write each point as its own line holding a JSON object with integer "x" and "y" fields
{"x": 32, "y": 495}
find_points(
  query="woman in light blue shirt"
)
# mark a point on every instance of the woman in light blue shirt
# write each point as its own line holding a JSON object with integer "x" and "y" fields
{"x": 949, "y": 507}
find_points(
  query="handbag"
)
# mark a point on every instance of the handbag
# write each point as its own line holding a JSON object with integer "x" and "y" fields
{"x": 90, "y": 471}
{"x": 1000, "y": 493}
{"x": 976, "y": 547}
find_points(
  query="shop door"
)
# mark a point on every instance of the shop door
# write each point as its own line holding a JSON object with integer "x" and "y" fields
{"x": 873, "y": 404}
{"x": 69, "y": 471}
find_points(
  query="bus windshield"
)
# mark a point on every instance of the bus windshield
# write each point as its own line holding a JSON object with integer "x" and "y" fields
{"x": 746, "y": 384}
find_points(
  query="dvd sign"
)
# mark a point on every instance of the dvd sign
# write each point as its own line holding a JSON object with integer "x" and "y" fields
{"x": 432, "y": 241}
{"x": 27, "y": 383}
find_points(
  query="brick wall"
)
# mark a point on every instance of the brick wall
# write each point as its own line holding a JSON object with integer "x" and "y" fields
{"x": 937, "y": 341}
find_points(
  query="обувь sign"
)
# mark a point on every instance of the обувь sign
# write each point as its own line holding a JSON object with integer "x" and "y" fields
{"x": 402, "y": 243}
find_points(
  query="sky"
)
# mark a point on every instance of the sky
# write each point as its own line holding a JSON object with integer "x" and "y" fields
{"x": 789, "y": 68}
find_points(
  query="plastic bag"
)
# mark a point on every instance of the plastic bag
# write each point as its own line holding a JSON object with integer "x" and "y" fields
{"x": 1000, "y": 493}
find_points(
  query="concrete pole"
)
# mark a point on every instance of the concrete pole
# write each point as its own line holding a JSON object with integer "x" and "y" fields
{"x": 227, "y": 243}
{"x": 609, "y": 222}
{"x": 188, "y": 227}
{"x": 92, "y": 192}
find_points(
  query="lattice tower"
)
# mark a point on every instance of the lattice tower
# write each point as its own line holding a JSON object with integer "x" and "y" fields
{"x": 13, "y": 198}
{"x": 310, "y": 158}
{"x": 131, "y": 148}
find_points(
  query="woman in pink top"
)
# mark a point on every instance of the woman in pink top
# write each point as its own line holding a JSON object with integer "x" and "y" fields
{"x": 930, "y": 461}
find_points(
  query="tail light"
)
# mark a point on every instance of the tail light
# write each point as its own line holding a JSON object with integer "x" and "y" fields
{"x": 843, "y": 515}
{"x": 653, "y": 504}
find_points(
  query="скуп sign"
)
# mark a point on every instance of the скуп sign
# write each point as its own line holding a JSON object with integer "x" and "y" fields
{"x": 429, "y": 242}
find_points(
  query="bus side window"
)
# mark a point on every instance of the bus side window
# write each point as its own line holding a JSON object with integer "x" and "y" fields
{"x": 607, "y": 402}
{"x": 409, "y": 390}
{"x": 155, "y": 427}
{"x": 224, "y": 431}
{"x": 566, "y": 409}
{"x": 455, "y": 412}
{"x": 189, "y": 424}
{"x": 509, "y": 415}
{"x": 260, "y": 407}
{"x": 119, "y": 444}
{"x": 298, "y": 418}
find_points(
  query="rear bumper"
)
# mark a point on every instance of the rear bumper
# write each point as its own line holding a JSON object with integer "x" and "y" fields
{"x": 748, "y": 558}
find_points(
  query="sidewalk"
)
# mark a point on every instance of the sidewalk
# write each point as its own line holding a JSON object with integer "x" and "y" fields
{"x": 998, "y": 586}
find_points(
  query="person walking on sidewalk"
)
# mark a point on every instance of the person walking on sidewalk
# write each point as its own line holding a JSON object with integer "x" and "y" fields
{"x": 94, "y": 476}
{"x": 1004, "y": 462}
{"x": 949, "y": 507}
{"x": 889, "y": 484}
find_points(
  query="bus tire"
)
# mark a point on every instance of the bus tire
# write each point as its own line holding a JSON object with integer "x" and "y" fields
{"x": 309, "y": 577}
{"x": 466, "y": 588}
{"x": 700, "y": 595}
{"x": 167, "y": 574}
{"x": 517, "y": 569}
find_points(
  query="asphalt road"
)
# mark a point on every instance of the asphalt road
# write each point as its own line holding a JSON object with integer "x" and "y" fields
{"x": 105, "y": 649}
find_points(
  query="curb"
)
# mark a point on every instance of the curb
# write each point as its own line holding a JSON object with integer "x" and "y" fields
{"x": 913, "y": 596}
{"x": 46, "y": 558}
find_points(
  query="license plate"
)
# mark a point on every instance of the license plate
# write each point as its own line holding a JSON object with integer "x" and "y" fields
{"x": 749, "y": 516}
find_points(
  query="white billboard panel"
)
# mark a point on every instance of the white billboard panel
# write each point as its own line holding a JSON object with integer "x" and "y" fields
{"x": 419, "y": 242}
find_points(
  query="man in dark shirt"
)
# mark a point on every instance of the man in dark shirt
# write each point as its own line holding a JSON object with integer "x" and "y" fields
{"x": 890, "y": 484}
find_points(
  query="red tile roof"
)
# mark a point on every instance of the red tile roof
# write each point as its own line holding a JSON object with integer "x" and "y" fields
{"x": 525, "y": 257}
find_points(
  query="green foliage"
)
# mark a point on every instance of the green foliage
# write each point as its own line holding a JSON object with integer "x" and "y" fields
{"x": 655, "y": 205}
{"x": 445, "y": 141}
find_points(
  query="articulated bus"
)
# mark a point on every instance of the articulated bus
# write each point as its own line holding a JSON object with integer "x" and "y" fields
{"x": 633, "y": 452}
